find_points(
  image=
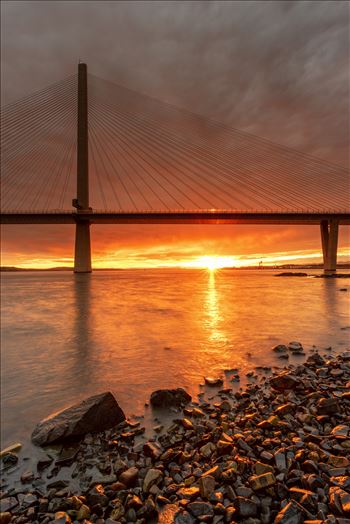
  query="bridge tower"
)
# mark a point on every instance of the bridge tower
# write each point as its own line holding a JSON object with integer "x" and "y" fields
{"x": 329, "y": 236}
{"x": 82, "y": 255}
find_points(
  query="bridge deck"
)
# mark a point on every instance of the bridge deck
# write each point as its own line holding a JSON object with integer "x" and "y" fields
{"x": 178, "y": 217}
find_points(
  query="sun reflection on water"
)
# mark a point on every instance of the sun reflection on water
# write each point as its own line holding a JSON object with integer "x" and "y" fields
{"x": 214, "y": 311}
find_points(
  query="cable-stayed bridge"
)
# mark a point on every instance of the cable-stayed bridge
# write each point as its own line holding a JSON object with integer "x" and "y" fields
{"x": 87, "y": 151}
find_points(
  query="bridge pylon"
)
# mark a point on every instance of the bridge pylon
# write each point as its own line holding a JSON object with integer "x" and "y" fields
{"x": 82, "y": 255}
{"x": 329, "y": 237}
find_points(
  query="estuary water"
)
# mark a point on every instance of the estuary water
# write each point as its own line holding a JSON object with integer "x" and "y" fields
{"x": 66, "y": 336}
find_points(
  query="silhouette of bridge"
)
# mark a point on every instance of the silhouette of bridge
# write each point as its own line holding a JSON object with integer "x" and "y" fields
{"x": 130, "y": 159}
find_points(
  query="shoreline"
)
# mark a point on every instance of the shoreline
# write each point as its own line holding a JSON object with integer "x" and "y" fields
{"x": 262, "y": 454}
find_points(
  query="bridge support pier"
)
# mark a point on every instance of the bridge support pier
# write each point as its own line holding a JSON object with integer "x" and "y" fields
{"x": 82, "y": 255}
{"x": 329, "y": 237}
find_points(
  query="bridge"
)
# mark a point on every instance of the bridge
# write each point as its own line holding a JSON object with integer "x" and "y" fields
{"x": 126, "y": 158}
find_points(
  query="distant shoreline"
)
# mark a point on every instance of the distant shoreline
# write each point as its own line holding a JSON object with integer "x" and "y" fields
{"x": 13, "y": 269}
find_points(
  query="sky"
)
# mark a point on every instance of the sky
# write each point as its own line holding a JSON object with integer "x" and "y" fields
{"x": 279, "y": 70}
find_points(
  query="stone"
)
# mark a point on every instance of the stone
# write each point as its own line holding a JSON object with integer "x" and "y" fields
{"x": 261, "y": 468}
{"x": 153, "y": 450}
{"x": 83, "y": 512}
{"x": 284, "y": 381}
{"x": 263, "y": 481}
{"x": 280, "y": 348}
{"x": 165, "y": 398}
{"x": 245, "y": 507}
{"x": 188, "y": 493}
{"x": 290, "y": 514}
{"x": 129, "y": 477}
{"x": 327, "y": 406}
{"x": 284, "y": 409}
{"x": 187, "y": 424}
{"x": 340, "y": 431}
{"x": 27, "y": 476}
{"x": 5, "y": 517}
{"x": 97, "y": 496}
{"x": 183, "y": 517}
{"x": 9, "y": 459}
{"x": 153, "y": 476}
{"x": 199, "y": 509}
{"x": 213, "y": 382}
{"x": 316, "y": 359}
{"x": 28, "y": 500}
{"x": 61, "y": 517}
{"x": 207, "y": 449}
{"x": 339, "y": 500}
{"x": 14, "y": 448}
{"x": 295, "y": 346}
{"x": 206, "y": 486}
{"x": 96, "y": 413}
{"x": 7, "y": 504}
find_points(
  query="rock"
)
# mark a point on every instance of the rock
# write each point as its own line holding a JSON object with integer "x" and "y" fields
{"x": 183, "y": 517}
{"x": 28, "y": 500}
{"x": 153, "y": 476}
{"x": 97, "y": 496}
{"x": 213, "y": 382}
{"x": 164, "y": 398}
{"x": 83, "y": 513}
{"x": 284, "y": 381}
{"x": 316, "y": 359}
{"x": 5, "y": 517}
{"x": 339, "y": 500}
{"x": 61, "y": 517}
{"x": 245, "y": 507}
{"x": 280, "y": 348}
{"x": 9, "y": 459}
{"x": 7, "y": 504}
{"x": 11, "y": 449}
{"x": 188, "y": 493}
{"x": 200, "y": 509}
{"x": 187, "y": 424}
{"x": 96, "y": 413}
{"x": 207, "y": 449}
{"x": 129, "y": 477}
{"x": 206, "y": 486}
{"x": 341, "y": 431}
{"x": 153, "y": 450}
{"x": 290, "y": 514}
{"x": 327, "y": 406}
{"x": 295, "y": 347}
{"x": 263, "y": 481}
{"x": 27, "y": 476}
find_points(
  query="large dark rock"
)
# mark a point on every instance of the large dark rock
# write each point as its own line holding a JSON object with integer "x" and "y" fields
{"x": 284, "y": 381}
{"x": 164, "y": 398}
{"x": 93, "y": 414}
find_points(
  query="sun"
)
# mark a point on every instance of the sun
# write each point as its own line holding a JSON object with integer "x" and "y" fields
{"x": 212, "y": 262}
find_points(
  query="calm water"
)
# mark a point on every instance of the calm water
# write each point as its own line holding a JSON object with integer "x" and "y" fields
{"x": 68, "y": 336}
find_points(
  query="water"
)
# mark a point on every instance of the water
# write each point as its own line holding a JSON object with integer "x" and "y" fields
{"x": 67, "y": 336}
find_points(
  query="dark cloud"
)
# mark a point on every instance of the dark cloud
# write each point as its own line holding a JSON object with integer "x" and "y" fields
{"x": 277, "y": 69}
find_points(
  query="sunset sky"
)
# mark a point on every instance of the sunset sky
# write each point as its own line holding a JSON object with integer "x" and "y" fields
{"x": 275, "y": 69}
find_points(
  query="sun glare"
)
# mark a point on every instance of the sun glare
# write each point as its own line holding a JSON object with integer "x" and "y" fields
{"x": 212, "y": 262}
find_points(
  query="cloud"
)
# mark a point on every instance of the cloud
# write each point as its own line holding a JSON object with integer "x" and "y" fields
{"x": 277, "y": 69}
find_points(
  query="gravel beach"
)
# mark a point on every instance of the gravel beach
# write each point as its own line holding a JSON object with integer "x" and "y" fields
{"x": 275, "y": 451}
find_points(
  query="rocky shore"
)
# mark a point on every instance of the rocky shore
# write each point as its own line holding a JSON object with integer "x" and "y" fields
{"x": 276, "y": 451}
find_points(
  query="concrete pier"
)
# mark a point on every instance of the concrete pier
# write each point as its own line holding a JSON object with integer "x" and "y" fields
{"x": 329, "y": 237}
{"x": 82, "y": 255}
